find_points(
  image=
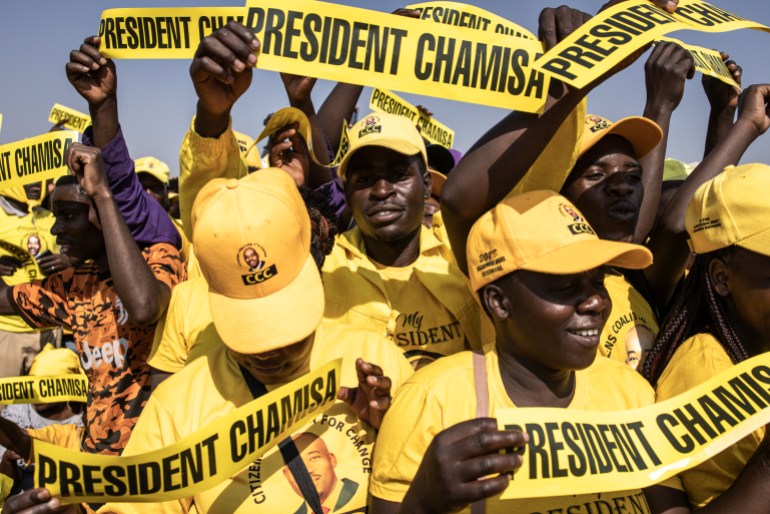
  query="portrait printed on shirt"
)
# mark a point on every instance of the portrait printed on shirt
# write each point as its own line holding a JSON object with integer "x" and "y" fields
{"x": 336, "y": 449}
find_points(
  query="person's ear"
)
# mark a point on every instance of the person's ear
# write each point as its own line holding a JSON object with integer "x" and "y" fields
{"x": 427, "y": 181}
{"x": 719, "y": 274}
{"x": 495, "y": 302}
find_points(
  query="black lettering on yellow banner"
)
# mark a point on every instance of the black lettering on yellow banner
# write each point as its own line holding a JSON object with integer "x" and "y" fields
{"x": 62, "y": 388}
{"x": 359, "y": 46}
{"x": 581, "y": 452}
{"x": 616, "y": 33}
{"x": 431, "y": 129}
{"x": 75, "y": 120}
{"x": 34, "y": 159}
{"x": 463, "y": 15}
{"x": 244, "y": 142}
{"x": 195, "y": 463}
{"x": 707, "y": 61}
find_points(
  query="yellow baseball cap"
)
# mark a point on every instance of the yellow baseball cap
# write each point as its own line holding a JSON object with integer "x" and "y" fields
{"x": 542, "y": 231}
{"x": 675, "y": 170}
{"x": 154, "y": 167}
{"x": 731, "y": 209}
{"x": 396, "y": 133}
{"x": 252, "y": 240}
{"x": 52, "y": 361}
{"x": 643, "y": 134}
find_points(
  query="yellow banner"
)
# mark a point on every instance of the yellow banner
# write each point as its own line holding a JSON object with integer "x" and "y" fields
{"x": 347, "y": 44}
{"x": 61, "y": 388}
{"x": 196, "y": 462}
{"x": 707, "y": 61}
{"x": 463, "y": 15}
{"x": 35, "y": 159}
{"x": 582, "y": 452}
{"x": 616, "y": 33}
{"x": 434, "y": 131}
{"x": 76, "y": 120}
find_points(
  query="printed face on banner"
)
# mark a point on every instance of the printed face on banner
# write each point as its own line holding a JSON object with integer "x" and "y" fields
{"x": 337, "y": 452}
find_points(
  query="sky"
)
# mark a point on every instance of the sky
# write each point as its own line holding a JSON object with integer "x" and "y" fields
{"x": 157, "y": 100}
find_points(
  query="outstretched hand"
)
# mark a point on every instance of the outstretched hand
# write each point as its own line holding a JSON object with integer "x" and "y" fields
{"x": 371, "y": 399}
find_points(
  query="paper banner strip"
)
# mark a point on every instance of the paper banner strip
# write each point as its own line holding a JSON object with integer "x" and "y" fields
{"x": 582, "y": 452}
{"x": 60, "y": 388}
{"x": 431, "y": 129}
{"x": 619, "y": 31}
{"x": 35, "y": 159}
{"x": 76, "y": 120}
{"x": 347, "y": 44}
{"x": 707, "y": 61}
{"x": 463, "y": 15}
{"x": 196, "y": 462}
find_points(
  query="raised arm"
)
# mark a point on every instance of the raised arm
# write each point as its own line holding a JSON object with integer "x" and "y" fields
{"x": 668, "y": 242}
{"x": 144, "y": 297}
{"x": 221, "y": 72}
{"x": 94, "y": 78}
{"x": 665, "y": 73}
{"x": 501, "y": 158}
{"x": 723, "y": 99}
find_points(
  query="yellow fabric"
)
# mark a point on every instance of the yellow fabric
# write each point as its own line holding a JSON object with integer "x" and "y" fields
{"x": 55, "y": 361}
{"x": 68, "y": 436}
{"x": 188, "y": 331}
{"x": 18, "y": 231}
{"x": 356, "y": 293}
{"x": 252, "y": 237}
{"x": 541, "y": 231}
{"x": 443, "y": 394}
{"x": 215, "y": 387}
{"x": 555, "y": 163}
{"x": 731, "y": 209}
{"x": 202, "y": 159}
{"x": 631, "y": 327}
{"x": 699, "y": 358}
{"x": 6, "y": 484}
{"x": 152, "y": 166}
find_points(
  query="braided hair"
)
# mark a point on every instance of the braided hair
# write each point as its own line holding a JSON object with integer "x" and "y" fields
{"x": 323, "y": 224}
{"x": 698, "y": 308}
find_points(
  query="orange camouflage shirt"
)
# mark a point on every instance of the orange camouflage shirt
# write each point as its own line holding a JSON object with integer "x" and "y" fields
{"x": 112, "y": 350}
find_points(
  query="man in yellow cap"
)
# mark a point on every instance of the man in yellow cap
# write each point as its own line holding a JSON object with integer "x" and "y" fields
{"x": 154, "y": 176}
{"x": 390, "y": 273}
{"x": 268, "y": 332}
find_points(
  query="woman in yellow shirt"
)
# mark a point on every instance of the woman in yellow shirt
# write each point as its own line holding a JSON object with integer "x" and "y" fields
{"x": 722, "y": 316}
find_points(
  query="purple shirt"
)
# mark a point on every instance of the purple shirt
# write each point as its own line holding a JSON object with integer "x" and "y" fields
{"x": 148, "y": 222}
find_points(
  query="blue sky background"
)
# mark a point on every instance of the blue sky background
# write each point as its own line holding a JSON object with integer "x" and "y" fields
{"x": 157, "y": 100}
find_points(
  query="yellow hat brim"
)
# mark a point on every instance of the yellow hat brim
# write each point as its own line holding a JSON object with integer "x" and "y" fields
{"x": 643, "y": 134}
{"x": 257, "y": 325}
{"x": 590, "y": 254}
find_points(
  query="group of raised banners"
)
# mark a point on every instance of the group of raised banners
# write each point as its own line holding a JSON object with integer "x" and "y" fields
{"x": 455, "y": 51}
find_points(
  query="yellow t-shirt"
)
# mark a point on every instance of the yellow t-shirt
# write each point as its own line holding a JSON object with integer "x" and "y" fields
{"x": 631, "y": 328}
{"x": 24, "y": 237}
{"x": 427, "y": 304}
{"x": 443, "y": 394}
{"x": 419, "y": 325}
{"x": 6, "y": 484}
{"x": 698, "y": 359}
{"x": 213, "y": 387}
{"x": 187, "y": 331}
